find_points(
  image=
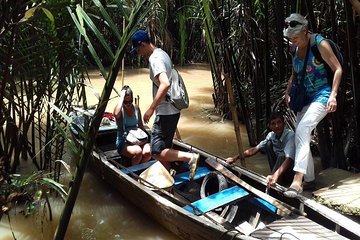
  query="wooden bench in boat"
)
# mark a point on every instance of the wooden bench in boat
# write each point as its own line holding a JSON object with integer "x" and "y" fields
{"x": 184, "y": 177}
{"x": 179, "y": 178}
{"x": 263, "y": 204}
{"x": 227, "y": 196}
{"x": 139, "y": 167}
{"x": 216, "y": 200}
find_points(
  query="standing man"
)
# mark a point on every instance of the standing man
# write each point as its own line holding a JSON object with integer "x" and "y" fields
{"x": 167, "y": 115}
{"x": 280, "y": 150}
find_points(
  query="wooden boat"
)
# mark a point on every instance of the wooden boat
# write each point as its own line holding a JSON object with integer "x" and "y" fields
{"x": 222, "y": 202}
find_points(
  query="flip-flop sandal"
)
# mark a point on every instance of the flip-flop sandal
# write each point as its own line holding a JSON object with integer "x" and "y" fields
{"x": 193, "y": 165}
{"x": 292, "y": 192}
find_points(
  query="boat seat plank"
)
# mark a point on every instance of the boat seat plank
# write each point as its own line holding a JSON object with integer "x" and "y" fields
{"x": 263, "y": 204}
{"x": 216, "y": 200}
{"x": 184, "y": 177}
{"x": 139, "y": 167}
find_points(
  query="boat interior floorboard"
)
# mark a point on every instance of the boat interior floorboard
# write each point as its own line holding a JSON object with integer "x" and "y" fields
{"x": 299, "y": 226}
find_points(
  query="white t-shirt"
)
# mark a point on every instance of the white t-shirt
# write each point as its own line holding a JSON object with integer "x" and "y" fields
{"x": 160, "y": 62}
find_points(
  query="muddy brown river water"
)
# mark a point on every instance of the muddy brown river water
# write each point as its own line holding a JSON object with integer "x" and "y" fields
{"x": 102, "y": 213}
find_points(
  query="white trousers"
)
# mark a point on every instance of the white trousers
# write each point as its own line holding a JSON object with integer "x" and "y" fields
{"x": 306, "y": 120}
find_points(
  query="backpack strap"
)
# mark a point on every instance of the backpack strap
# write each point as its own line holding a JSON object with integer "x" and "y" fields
{"x": 305, "y": 64}
{"x": 314, "y": 47}
{"x": 123, "y": 118}
{"x": 167, "y": 96}
{"x": 313, "y": 39}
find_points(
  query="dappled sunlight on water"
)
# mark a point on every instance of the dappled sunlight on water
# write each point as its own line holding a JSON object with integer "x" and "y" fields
{"x": 101, "y": 212}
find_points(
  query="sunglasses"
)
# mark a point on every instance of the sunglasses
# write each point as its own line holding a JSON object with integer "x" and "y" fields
{"x": 292, "y": 24}
{"x": 128, "y": 102}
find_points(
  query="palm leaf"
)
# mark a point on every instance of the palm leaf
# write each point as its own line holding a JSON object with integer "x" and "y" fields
{"x": 138, "y": 13}
{"x": 80, "y": 26}
{"x": 54, "y": 185}
{"x": 95, "y": 30}
{"x": 108, "y": 19}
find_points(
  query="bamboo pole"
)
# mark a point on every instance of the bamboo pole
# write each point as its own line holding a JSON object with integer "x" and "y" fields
{"x": 235, "y": 119}
{"x": 86, "y": 151}
{"x": 123, "y": 61}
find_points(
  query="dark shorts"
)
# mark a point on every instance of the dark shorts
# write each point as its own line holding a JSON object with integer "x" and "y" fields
{"x": 275, "y": 161}
{"x": 163, "y": 131}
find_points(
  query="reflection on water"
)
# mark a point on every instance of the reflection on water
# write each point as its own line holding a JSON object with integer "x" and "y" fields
{"x": 102, "y": 213}
{"x": 99, "y": 213}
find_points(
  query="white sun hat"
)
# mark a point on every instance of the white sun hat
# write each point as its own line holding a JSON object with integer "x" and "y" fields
{"x": 157, "y": 175}
{"x": 295, "y": 23}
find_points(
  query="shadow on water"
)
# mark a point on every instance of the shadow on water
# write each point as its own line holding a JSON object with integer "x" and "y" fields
{"x": 102, "y": 213}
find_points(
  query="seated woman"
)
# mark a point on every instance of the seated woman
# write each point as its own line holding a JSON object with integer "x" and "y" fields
{"x": 128, "y": 116}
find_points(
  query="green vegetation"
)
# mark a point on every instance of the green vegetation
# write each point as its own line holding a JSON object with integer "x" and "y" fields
{"x": 46, "y": 48}
{"x": 39, "y": 65}
{"x": 252, "y": 52}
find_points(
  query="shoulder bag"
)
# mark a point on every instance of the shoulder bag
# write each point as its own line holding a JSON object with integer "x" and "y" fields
{"x": 298, "y": 91}
{"x": 134, "y": 136}
{"x": 177, "y": 94}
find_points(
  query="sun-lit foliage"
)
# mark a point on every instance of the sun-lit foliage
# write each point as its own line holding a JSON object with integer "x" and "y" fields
{"x": 28, "y": 192}
{"x": 46, "y": 48}
{"x": 252, "y": 52}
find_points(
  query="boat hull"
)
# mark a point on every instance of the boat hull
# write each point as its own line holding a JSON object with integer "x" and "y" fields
{"x": 171, "y": 216}
{"x": 197, "y": 216}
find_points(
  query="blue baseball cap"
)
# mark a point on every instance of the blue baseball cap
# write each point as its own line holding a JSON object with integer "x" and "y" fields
{"x": 139, "y": 37}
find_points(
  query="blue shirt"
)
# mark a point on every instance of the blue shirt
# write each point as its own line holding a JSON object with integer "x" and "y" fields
{"x": 127, "y": 122}
{"x": 284, "y": 146}
{"x": 316, "y": 81}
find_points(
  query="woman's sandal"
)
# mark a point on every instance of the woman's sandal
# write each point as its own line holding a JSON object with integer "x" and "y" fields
{"x": 292, "y": 192}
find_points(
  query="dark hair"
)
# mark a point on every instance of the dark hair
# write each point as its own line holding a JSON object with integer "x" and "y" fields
{"x": 275, "y": 115}
{"x": 128, "y": 91}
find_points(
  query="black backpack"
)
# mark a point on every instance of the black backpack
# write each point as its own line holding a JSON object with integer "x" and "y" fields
{"x": 317, "y": 55}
